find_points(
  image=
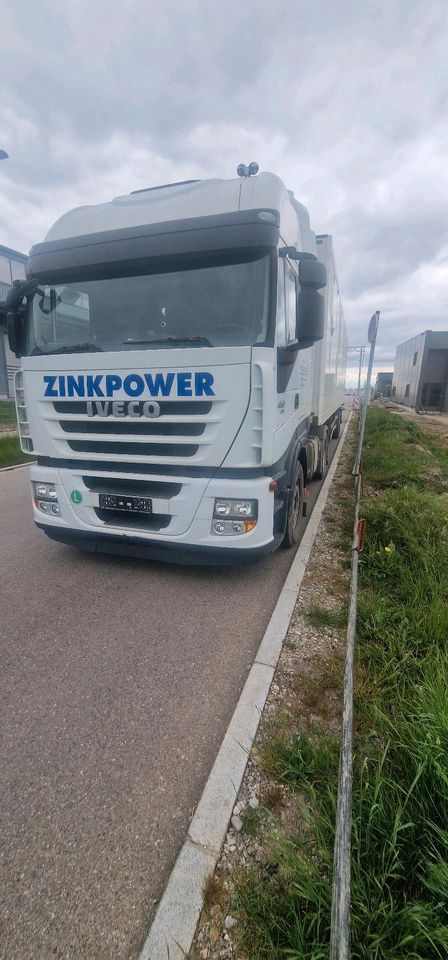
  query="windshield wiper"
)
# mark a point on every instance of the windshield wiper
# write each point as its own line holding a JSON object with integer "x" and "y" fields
{"x": 201, "y": 341}
{"x": 71, "y": 348}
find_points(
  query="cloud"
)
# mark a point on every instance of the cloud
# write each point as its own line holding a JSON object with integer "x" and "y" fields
{"x": 345, "y": 101}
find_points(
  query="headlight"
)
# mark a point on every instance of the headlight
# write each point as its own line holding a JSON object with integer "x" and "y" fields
{"x": 45, "y": 491}
{"x": 46, "y": 498}
{"x": 232, "y": 517}
{"x": 236, "y": 509}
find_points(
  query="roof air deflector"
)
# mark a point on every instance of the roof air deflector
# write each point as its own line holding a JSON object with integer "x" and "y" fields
{"x": 163, "y": 186}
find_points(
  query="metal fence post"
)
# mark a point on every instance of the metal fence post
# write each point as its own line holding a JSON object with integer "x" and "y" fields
{"x": 340, "y": 902}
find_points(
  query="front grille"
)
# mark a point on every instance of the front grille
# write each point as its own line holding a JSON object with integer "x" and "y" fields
{"x": 121, "y": 466}
{"x": 130, "y": 449}
{"x": 184, "y": 430}
{"x": 136, "y": 428}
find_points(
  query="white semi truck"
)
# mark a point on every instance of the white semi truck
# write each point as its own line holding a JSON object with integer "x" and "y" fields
{"x": 183, "y": 355}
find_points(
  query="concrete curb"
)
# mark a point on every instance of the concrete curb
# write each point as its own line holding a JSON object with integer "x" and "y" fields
{"x": 16, "y": 466}
{"x": 173, "y": 929}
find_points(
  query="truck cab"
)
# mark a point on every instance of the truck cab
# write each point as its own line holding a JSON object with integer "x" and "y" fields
{"x": 182, "y": 366}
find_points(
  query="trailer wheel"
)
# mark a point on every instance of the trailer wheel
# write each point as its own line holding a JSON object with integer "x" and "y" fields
{"x": 323, "y": 459}
{"x": 295, "y": 507}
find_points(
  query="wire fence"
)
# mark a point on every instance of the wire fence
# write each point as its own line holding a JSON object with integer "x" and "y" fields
{"x": 8, "y": 421}
{"x": 340, "y": 903}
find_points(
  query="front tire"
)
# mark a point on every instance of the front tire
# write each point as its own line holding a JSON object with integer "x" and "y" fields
{"x": 294, "y": 508}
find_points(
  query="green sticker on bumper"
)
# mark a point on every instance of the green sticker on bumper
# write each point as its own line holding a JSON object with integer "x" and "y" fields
{"x": 76, "y": 496}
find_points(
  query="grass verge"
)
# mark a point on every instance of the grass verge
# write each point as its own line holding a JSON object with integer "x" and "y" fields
{"x": 10, "y": 452}
{"x": 7, "y": 413}
{"x": 400, "y": 793}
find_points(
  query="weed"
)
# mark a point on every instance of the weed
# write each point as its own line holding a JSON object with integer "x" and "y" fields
{"x": 274, "y": 797}
{"x": 302, "y": 760}
{"x": 322, "y": 617}
{"x": 253, "y": 820}
{"x": 213, "y": 891}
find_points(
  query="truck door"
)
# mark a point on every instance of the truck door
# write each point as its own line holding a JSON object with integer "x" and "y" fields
{"x": 293, "y": 371}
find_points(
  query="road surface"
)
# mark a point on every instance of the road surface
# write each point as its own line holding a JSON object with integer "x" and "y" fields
{"x": 118, "y": 680}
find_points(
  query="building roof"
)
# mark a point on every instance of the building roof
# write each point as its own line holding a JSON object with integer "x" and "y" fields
{"x": 13, "y": 254}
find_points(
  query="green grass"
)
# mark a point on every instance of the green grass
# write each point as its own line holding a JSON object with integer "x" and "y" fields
{"x": 10, "y": 452}
{"x": 397, "y": 451}
{"x": 400, "y": 790}
{"x": 7, "y": 413}
{"x": 255, "y": 820}
{"x": 321, "y": 617}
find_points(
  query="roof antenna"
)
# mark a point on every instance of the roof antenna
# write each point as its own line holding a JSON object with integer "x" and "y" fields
{"x": 249, "y": 171}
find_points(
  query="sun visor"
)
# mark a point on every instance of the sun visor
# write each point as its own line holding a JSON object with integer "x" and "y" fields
{"x": 134, "y": 248}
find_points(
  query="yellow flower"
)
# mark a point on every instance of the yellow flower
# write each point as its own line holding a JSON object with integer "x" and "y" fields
{"x": 387, "y": 549}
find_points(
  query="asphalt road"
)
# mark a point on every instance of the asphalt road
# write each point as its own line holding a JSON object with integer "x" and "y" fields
{"x": 118, "y": 680}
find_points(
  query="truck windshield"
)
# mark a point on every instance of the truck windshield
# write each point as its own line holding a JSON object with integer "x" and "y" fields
{"x": 217, "y": 303}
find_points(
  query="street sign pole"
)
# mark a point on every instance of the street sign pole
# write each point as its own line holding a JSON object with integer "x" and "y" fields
{"x": 372, "y": 334}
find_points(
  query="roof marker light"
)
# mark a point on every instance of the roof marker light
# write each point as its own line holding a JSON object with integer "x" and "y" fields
{"x": 249, "y": 171}
{"x": 267, "y": 216}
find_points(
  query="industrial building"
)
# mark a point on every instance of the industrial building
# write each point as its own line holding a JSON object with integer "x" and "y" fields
{"x": 12, "y": 267}
{"x": 383, "y": 384}
{"x": 420, "y": 377}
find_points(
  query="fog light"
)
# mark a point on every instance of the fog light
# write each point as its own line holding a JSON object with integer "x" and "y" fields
{"x": 43, "y": 505}
{"x": 229, "y": 528}
{"x": 55, "y": 509}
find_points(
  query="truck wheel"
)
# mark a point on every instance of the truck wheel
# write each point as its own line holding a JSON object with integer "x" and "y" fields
{"x": 337, "y": 429}
{"x": 323, "y": 460}
{"x": 295, "y": 507}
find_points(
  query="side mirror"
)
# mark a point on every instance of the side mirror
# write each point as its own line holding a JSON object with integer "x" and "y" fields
{"x": 15, "y": 312}
{"x": 310, "y": 318}
{"x": 293, "y": 254}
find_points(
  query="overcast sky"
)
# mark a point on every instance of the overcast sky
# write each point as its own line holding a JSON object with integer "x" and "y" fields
{"x": 346, "y": 100}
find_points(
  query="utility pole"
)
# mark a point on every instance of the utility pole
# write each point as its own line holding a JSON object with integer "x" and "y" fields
{"x": 362, "y": 351}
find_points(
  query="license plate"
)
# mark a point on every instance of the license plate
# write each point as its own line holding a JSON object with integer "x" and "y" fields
{"x": 128, "y": 504}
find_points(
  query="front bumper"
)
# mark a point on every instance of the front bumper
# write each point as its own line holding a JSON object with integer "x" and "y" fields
{"x": 166, "y": 551}
{"x": 186, "y": 533}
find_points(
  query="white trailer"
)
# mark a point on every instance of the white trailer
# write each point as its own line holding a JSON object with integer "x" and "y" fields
{"x": 183, "y": 358}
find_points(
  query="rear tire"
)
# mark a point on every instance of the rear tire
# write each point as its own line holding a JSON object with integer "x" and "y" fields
{"x": 294, "y": 508}
{"x": 323, "y": 460}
